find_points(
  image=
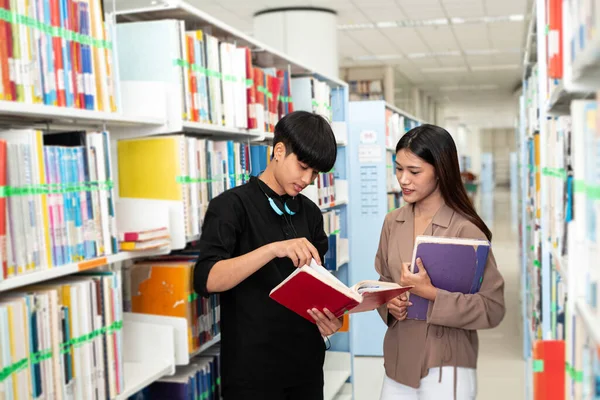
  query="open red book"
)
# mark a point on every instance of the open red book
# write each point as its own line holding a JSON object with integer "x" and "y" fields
{"x": 312, "y": 286}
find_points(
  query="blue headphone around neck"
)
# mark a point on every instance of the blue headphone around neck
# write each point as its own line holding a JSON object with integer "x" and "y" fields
{"x": 290, "y": 206}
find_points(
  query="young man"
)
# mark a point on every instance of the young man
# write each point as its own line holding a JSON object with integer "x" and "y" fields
{"x": 253, "y": 237}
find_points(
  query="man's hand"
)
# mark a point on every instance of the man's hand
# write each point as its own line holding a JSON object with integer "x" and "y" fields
{"x": 327, "y": 323}
{"x": 300, "y": 251}
{"x": 397, "y": 307}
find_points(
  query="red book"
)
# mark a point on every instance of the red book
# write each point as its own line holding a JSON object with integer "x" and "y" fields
{"x": 312, "y": 286}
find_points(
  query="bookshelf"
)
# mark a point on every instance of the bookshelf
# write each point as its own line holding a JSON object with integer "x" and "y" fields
{"x": 375, "y": 128}
{"x": 152, "y": 98}
{"x": 559, "y": 202}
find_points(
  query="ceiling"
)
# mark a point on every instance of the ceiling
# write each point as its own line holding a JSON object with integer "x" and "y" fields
{"x": 455, "y": 50}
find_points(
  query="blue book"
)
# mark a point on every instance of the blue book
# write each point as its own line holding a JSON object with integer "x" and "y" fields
{"x": 453, "y": 264}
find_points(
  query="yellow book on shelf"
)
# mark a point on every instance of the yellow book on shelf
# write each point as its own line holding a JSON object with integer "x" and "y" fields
{"x": 150, "y": 168}
{"x": 39, "y": 151}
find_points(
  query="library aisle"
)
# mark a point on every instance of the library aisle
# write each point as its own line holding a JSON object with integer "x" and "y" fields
{"x": 501, "y": 368}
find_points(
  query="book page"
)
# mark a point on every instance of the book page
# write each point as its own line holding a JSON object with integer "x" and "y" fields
{"x": 370, "y": 286}
{"x": 329, "y": 277}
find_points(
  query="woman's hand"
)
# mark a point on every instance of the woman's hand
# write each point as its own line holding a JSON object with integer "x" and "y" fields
{"x": 327, "y": 323}
{"x": 420, "y": 281}
{"x": 397, "y": 307}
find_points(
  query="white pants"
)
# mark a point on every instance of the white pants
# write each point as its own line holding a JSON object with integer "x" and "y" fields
{"x": 432, "y": 389}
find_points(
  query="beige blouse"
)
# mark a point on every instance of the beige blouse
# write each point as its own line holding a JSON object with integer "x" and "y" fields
{"x": 449, "y": 336}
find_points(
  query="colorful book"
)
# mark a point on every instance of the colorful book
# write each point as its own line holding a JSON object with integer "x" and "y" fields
{"x": 312, "y": 286}
{"x": 453, "y": 264}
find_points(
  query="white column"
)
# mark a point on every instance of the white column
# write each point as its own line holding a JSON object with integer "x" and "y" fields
{"x": 305, "y": 34}
{"x": 388, "y": 84}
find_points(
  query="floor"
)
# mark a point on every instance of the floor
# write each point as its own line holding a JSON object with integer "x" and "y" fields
{"x": 501, "y": 369}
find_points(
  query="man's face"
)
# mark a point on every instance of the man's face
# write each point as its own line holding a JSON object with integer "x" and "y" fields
{"x": 292, "y": 175}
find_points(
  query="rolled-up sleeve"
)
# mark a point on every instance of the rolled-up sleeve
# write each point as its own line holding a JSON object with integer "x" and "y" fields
{"x": 481, "y": 310}
{"x": 220, "y": 234}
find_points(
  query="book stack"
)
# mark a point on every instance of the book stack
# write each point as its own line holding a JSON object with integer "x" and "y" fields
{"x": 332, "y": 228}
{"x": 366, "y": 90}
{"x": 201, "y": 379}
{"x": 58, "y": 53}
{"x": 312, "y": 95}
{"x": 58, "y": 204}
{"x": 184, "y": 171}
{"x": 144, "y": 240}
{"x": 163, "y": 285}
{"x": 63, "y": 339}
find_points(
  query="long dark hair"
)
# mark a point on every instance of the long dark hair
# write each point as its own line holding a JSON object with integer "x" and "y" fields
{"x": 435, "y": 145}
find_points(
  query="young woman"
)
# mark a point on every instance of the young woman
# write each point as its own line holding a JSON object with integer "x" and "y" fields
{"x": 436, "y": 358}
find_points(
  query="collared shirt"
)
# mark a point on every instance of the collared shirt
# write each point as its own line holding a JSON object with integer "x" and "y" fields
{"x": 449, "y": 335}
{"x": 263, "y": 343}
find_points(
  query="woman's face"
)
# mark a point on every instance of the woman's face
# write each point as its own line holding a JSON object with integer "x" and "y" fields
{"x": 416, "y": 176}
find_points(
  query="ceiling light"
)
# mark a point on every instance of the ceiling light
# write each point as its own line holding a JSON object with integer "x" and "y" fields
{"x": 387, "y": 24}
{"x": 454, "y": 88}
{"x": 346, "y": 27}
{"x": 433, "y": 22}
{"x": 437, "y": 21}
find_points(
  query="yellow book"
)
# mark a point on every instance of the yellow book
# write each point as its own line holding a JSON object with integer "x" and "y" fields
{"x": 39, "y": 151}
{"x": 150, "y": 168}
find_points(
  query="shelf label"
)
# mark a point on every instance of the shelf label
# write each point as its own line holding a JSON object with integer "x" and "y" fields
{"x": 91, "y": 264}
{"x": 538, "y": 365}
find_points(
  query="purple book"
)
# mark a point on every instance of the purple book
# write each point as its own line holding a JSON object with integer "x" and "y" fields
{"x": 453, "y": 264}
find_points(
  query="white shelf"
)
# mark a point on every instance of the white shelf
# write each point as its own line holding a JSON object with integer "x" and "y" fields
{"x": 138, "y": 375}
{"x": 345, "y": 393}
{"x": 586, "y": 66}
{"x": 337, "y": 203}
{"x": 190, "y": 239}
{"x": 23, "y": 113}
{"x": 69, "y": 269}
{"x": 560, "y": 100}
{"x": 343, "y": 261}
{"x": 403, "y": 113}
{"x": 334, "y": 381}
{"x": 266, "y": 56}
{"x": 206, "y": 346}
{"x": 591, "y": 322}
{"x": 337, "y": 369}
{"x": 217, "y": 130}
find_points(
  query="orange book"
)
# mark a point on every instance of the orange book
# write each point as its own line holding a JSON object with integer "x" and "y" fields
{"x": 165, "y": 288}
{"x": 312, "y": 286}
{"x": 193, "y": 95}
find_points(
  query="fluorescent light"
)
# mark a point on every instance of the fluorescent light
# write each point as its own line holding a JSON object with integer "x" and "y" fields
{"x": 387, "y": 24}
{"x": 437, "y": 21}
{"x": 454, "y": 88}
{"x": 411, "y": 23}
{"x": 346, "y": 27}
{"x": 503, "y": 67}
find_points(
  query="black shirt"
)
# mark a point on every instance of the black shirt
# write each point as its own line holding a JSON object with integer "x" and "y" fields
{"x": 262, "y": 342}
